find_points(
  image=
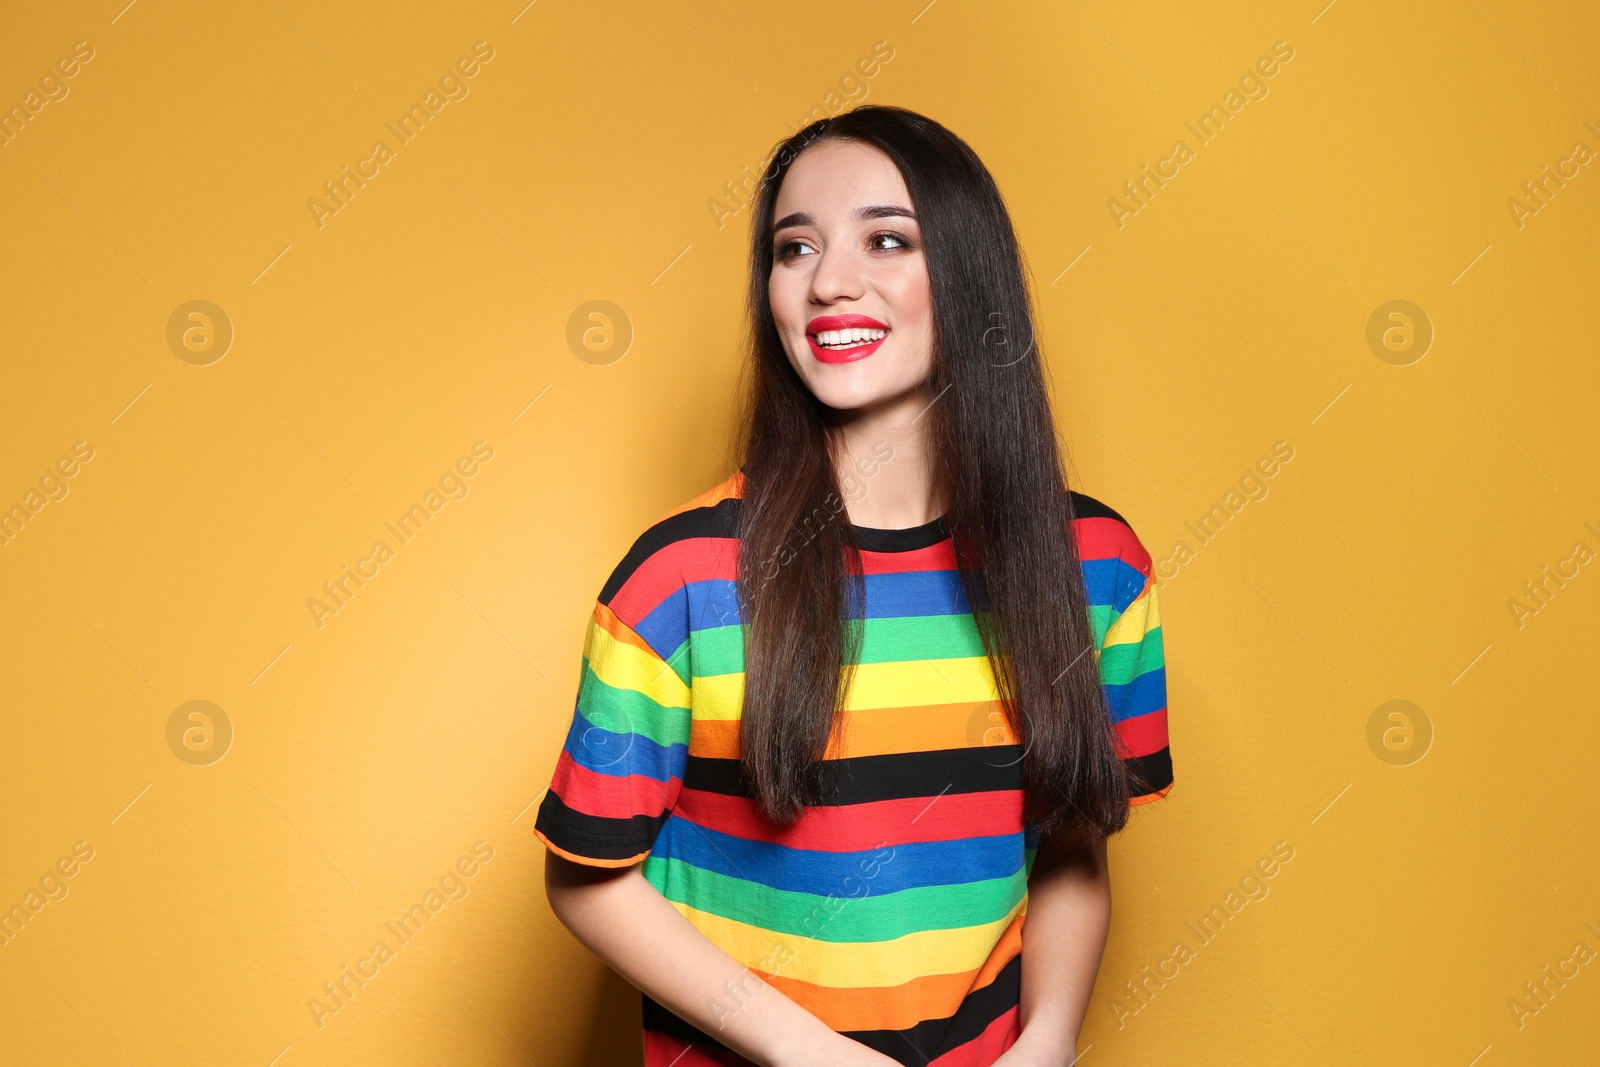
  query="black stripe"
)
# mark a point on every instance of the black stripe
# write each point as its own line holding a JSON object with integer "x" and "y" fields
{"x": 859, "y": 780}
{"x": 662, "y": 1021}
{"x": 900, "y": 775}
{"x": 914, "y": 1045}
{"x": 874, "y": 539}
{"x": 934, "y": 1037}
{"x": 716, "y": 521}
{"x": 896, "y": 776}
{"x": 1087, "y": 507}
{"x": 1149, "y": 774}
{"x": 721, "y": 520}
{"x": 594, "y": 835}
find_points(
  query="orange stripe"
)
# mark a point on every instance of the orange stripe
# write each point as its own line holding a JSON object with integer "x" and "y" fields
{"x": 587, "y": 861}
{"x": 1148, "y": 797}
{"x": 928, "y": 728}
{"x": 613, "y": 624}
{"x": 882, "y": 731}
{"x": 903, "y": 1006}
{"x": 715, "y": 739}
{"x": 732, "y": 487}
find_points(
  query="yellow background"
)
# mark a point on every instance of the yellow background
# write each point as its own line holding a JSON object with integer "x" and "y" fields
{"x": 372, "y": 751}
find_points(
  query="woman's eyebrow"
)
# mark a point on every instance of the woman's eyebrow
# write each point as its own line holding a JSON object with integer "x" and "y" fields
{"x": 862, "y": 214}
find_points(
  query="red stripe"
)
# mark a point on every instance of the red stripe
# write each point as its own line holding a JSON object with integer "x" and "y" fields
{"x": 671, "y": 567}
{"x": 859, "y": 827}
{"x": 936, "y": 557}
{"x": 1106, "y": 538}
{"x": 697, "y": 559}
{"x": 1098, "y": 538}
{"x": 1143, "y": 734}
{"x": 694, "y": 559}
{"x": 610, "y": 796}
{"x": 986, "y": 1047}
{"x": 663, "y": 1051}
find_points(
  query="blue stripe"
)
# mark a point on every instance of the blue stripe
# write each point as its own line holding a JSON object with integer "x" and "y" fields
{"x": 716, "y": 603}
{"x": 905, "y": 866}
{"x": 901, "y": 594}
{"x": 666, "y": 630}
{"x": 621, "y": 754}
{"x": 1144, "y": 694}
{"x": 896, "y": 594}
{"x": 1112, "y": 581}
{"x": 713, "y": 602}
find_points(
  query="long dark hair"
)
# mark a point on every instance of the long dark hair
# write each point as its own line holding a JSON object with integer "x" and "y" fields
{"x": 994, "y": 453}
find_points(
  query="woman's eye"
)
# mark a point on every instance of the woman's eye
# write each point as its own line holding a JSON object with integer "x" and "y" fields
{"x": 791, "y": 249}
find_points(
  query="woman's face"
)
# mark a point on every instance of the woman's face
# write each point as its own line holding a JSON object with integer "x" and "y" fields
{"x": 849, "y": 284}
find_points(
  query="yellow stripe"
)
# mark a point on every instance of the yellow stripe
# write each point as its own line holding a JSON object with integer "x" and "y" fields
{"x": 1136, "y": 620}
{"x": 624, "y": 665}
{"x": 842, "y": 964}
{"x": 963, "y": 680}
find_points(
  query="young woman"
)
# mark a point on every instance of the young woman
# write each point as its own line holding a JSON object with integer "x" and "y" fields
{"x": 854, "y": 724}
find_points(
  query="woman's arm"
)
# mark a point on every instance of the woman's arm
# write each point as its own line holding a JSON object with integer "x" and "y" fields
{"x": 625, "y": 921}
{"x": 1063, "y": 936}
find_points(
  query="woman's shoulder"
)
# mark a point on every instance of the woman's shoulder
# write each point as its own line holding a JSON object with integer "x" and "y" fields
{"x": 1085, "y": 506}
{"x": 707, "y": 511}
{"x": 689, "y": 542}
{"x": 1103, "y": 533}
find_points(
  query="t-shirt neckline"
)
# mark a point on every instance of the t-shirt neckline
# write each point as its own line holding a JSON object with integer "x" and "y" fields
{"x": 907, "y": 539}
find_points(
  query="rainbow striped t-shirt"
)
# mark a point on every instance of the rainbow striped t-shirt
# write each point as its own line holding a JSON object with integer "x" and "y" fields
{"x": 894, "y": 914}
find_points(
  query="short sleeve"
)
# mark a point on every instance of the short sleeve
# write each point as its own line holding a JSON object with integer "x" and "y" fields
{"x": 622, "y": 763}
{"x": 1133, "y": 670}
{"x": 1125, "y": 625}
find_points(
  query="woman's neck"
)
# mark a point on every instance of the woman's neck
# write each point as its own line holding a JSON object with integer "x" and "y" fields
{"x": 885, "y": 465}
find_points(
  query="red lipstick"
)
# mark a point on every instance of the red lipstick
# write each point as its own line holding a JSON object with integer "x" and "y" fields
{"x": 843, "y": 322}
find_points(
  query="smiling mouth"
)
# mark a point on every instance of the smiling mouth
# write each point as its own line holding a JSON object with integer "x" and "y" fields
{"x": 846, "y": 348}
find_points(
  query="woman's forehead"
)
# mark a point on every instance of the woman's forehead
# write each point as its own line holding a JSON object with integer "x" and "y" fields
{"x": 837, "y": 175}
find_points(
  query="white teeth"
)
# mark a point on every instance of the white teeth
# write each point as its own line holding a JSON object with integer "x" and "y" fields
{"x": 848, "y": 338}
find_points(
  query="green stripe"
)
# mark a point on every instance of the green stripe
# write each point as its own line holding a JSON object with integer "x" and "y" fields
{"x": 679, "y": 661}
{"x": 905, "y": 638}
{"x": 624, "y": 711}
{"x": 720, "y": 649}
{"x": 920, "y": 637}
{"x": 843, "y": 918}
{"x": 1121, "y": 664}
{"x": 1101, "y": 616}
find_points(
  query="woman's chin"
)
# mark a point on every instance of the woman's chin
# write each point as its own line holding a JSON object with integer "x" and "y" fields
{"x": 867, "y": 401}
{"x": 847, "y": 400}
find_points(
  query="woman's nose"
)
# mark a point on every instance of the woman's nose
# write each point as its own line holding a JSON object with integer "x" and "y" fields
{"x": 836, "y": 276}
